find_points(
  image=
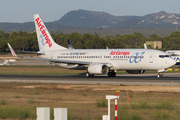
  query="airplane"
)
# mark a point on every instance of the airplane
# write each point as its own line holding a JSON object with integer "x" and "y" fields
{"x": 8, "y": 62}
{"x": 175, "y": 54}
{"x": 98, "y": 61}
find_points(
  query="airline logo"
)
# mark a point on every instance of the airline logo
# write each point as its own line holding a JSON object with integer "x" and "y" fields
{"x": 119, "y": 53}
{"x": 136, "y": 57}
{"x": 43, "y": 31}
{"x": 176, "y": 58}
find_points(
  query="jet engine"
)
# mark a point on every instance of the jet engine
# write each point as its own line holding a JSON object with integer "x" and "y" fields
{"x": 98, "y": 69}
{"x": 135, "y": 71}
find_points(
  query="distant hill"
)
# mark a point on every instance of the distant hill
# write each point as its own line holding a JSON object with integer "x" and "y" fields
{"x": 91, "y": 19}
{"x": 156, "y": 20}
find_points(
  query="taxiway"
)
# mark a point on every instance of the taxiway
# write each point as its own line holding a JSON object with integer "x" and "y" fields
{"x": 168, "y": 79}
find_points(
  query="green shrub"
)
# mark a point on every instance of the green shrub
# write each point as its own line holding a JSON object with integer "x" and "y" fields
{"x": 17, "y": 96}
{"x": 130, "y": 95}
{"x": 84, "y": 93}
{"x": 102, "y": 103}
{"x": 122, "y": 85}
{"x": 3, "y": 102}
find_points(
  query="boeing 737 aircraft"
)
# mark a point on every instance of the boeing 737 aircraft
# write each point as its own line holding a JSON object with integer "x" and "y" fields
{"x": 175, "y": 54}
{"x": 98, "y": 61}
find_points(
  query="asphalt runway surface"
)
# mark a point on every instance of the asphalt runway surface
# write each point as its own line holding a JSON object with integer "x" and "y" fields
{"x": 168, "y": 79}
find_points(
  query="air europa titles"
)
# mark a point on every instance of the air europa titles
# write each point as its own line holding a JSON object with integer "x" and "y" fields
{"x": 43, "y": 31}
{"x": 119, "y": 53}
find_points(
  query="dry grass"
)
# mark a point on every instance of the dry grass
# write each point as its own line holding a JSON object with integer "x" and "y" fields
{"x": 37, "y": 70}
{"x": 81, "y": 100}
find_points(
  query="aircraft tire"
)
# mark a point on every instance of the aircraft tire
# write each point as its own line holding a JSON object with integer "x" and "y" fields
{"x": 109, "y": 74}
{"x": 159, "y": 76}
{"x": 88, "y": 75}
{"x": 114, "y": 74}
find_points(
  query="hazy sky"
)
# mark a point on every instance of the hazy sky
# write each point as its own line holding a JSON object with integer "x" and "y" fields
{"x": 50, "y": 10}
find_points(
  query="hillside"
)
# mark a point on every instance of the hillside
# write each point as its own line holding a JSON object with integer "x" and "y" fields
{"x": 92, "y": 19}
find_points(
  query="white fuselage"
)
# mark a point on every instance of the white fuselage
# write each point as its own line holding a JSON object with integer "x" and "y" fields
{"x": 173, "y": 52}
{"x": 120, "y": 59}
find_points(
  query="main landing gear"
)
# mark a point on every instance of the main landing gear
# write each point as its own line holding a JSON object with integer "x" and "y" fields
{"x": 112, "y": 74}
{"x": 88, "y": 75}
{"x": 159, "y": 75}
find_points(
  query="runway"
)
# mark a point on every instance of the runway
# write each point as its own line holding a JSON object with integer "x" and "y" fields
{"x": 168, "y": 79}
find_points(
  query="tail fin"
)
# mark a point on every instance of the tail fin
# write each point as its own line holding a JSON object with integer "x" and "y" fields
{"x": 12, "y": 51}
{"x": 45, "y": 41}
{"x": 145, "y": 46}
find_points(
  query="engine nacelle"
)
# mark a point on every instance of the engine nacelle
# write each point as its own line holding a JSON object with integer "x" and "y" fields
{"x": 135, "y": 71}
{"x": 98, "y": 69}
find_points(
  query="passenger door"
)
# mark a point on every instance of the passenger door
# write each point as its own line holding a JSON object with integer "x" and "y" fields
{"x": 151, "y": 58}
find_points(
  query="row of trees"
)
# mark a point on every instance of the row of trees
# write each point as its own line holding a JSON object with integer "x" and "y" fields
{"x": 28, "y": 41}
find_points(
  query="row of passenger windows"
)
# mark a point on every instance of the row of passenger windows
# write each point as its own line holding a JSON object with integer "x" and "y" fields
{"x": 161, "y": 56}
{"x": 100, "y": 56}
{"x": 79, "y": 56}
{"x": 128, "y": 56}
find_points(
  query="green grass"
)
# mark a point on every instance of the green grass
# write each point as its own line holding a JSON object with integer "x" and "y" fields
{"x": 142, "y": 104}
{"x": 17, "y": 112}
{"x": 125, "y": 114}
{"x": 162, "y": 115}
{"x": 164, "y": 104}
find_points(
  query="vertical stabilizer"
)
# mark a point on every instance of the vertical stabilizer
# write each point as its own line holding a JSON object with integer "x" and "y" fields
{"x": 12, "y": 51}
{"x": 45, "y": 41}
{"x": 145, "y": 46}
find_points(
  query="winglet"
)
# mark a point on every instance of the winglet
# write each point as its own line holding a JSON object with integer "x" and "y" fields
{"x": 12, "y": 51}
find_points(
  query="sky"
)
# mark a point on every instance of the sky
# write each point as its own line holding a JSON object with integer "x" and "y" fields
{"x": 20, "y": 11}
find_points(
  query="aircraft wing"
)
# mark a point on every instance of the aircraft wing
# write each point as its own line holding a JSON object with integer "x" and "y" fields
{"x": 56, "y": 60}
{"x": 50, "y": 60}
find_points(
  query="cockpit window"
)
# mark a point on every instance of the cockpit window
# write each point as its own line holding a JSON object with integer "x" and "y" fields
{"x": 163, "y": 56}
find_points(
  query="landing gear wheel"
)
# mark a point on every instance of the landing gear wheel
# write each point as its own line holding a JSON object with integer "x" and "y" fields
{"x": 114, "y": 74}
{"x": 111, "y": 74}
{"x": 159, "y": 76}
{"x": 89, "y": 75}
